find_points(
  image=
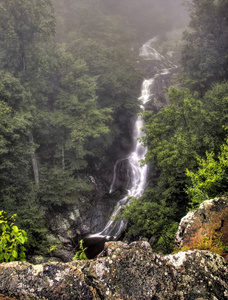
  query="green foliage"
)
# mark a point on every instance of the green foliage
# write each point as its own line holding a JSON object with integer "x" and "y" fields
{"x": 14, "y": 146}
{"x": 52, "y": 248}
{"x": 80, "y": 254}
{"x": 117, "y": 80}
{"x": 12, "y": 239}
{"x": 31, "y": 217}
{"x": 17, "y": 191}
{"x": 216, "y": 106}
{"x": 211, "y": 178}
{"x": 115, "y": 68}
{"x": 59, "y": 187}
{"x": 173, "y": 139}
{"x": 147, "y": 218}
{"x": 166, "y": 241}
{"x": 151, "y": 218}
{"x": 187, "y": 128}
{"x": 103, "y": 41}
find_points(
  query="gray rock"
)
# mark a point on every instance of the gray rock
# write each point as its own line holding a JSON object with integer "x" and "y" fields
{"x": 122, "y": 272}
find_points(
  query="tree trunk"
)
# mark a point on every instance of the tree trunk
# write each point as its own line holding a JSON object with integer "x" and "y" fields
{"x": 34, "y": 162}
{"x": 63, "y": 156}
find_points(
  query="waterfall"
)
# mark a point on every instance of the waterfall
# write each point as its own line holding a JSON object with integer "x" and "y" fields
{"x": 138, "y": 173}
{"x": 114, "y": 228}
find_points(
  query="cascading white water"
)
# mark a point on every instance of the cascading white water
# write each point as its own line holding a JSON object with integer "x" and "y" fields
{"x": 147, "y": 52}
{"x": 138, "y": 178}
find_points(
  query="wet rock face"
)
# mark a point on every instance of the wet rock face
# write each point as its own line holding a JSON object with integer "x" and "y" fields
{"x": 121, "y": 272}
{"x": 212, "y": 216}
{"x": 159, "y": 98}
{"x": 70, "y": 223}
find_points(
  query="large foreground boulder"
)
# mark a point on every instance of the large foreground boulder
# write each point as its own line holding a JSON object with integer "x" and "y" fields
{"x": 210, "y": 218}
{"x": 121, "y": 272}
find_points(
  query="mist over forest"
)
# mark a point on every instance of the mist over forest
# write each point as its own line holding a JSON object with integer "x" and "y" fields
{"x": 70, "y": 81}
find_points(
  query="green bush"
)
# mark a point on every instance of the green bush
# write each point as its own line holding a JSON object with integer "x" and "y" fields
{"x": 12, "y": 239}
{"x": 166, "y": 241}
{"x": 210, "y": 180}
{"x": 152, "y": 219}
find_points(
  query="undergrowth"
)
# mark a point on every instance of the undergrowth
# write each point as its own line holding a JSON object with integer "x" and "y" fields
{"x": 212, "y": 242}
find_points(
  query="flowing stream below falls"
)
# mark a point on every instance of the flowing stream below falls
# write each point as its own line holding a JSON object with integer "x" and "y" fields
{"x": 138, "y": 173}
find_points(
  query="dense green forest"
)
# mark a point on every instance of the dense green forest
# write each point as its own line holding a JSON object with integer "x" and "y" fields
{"x": 68, "y": 69}
{"x": 62, "y": 85}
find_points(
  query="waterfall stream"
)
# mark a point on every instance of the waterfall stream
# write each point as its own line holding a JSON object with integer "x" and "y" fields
{"x": 138, "y": 173}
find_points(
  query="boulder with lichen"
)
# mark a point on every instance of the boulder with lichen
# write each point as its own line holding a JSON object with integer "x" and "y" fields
{"x": 122, "y": 271}
{"x": 209, "y": 220}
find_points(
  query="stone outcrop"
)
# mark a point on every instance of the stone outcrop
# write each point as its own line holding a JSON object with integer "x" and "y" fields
{"x": 122, "y": 271}
{"x": 211, "y": 217}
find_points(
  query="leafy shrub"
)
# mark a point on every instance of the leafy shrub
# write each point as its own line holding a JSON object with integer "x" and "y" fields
{"x": 12, "y": 239}
{"x": 210, "y": 180}
{"x": 152, "y": 219}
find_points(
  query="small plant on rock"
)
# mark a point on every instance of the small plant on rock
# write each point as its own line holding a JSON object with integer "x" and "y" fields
{"x": 80, "y": 254}
{"x": 52, "y": 249}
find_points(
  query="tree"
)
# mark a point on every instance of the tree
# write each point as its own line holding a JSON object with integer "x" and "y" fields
{"x": 118, "y": 82}
{"x": 18, "y": 193}
{"x": 69, "y": 121}
{"x": 14, "y": 145}
{"x": 216, "y": 106}
{"x": 188, "y": 127}
{"x": 173, "y": 137}
{"x": 204, "y": 56}
{"x": 25, "y": 25}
